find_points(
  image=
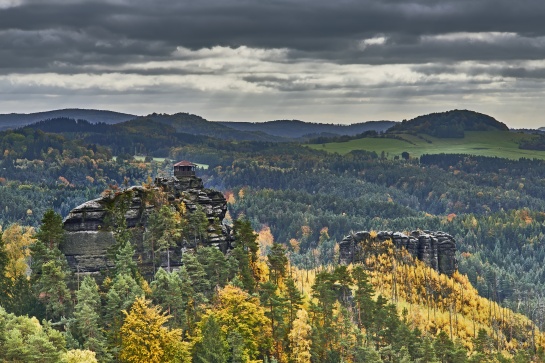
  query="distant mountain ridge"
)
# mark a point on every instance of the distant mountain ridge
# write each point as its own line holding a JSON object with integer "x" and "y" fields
{"x": 62, "y": 121}
{"x": 296, "y": 129}
{"x": 188, "y": 123}
{"x": 15, "y": 120}
{"x": 450, "y": 124}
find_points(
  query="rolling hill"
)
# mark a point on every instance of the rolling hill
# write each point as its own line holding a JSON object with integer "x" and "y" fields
{"x": 15, "y": 120}
{"x": 196, "y": 125}
{"x": 296, "y": 129}
{"x": 451, "y": 132}
{"x": 482, "y": 143}
{"x": 449, "y": 124}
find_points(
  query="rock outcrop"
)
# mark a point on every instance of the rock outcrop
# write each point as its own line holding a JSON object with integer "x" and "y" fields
{"x": 89, "y": 236}
{"x": 436, "y": 249}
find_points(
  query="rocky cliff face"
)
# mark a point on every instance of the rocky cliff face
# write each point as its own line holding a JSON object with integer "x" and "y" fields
{"x": 436, "y": 249}
{"x": 88, "y": 237}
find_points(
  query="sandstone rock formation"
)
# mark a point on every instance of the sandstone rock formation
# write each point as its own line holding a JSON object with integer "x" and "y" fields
{"x": 88, "y": 236}
{"x": 436, "y": 249}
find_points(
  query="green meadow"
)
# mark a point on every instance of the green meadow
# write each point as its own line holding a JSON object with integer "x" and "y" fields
{"x": 160, "y": 160}
{"x": 483, "y": 143}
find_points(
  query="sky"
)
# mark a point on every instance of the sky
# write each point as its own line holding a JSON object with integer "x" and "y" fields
{"x": 342, "y": 61}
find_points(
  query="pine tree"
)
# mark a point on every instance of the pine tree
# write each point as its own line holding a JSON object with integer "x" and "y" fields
{"x": 483, "y": 345}
{"x": 237, "y": 347}
{"x": 443, "y": 347}
{"x": 277, "y": 262}
{"x": 246, "y": 238}
{"x": 324, "y": 292}
{"x": 154, "y": 231}
{"x": 212, "y": 347}
{"x": 117, "y": 223}
{"x": 294, "y": 300}
{"x": 124, "y": 261}
{"x": 275, "y": 309}
{"x": 54, "y": 291}
{"x": 120, "y": 296}
{"x": 164, "y": 230}
{"x": 426, "y": 351}
{"x": 197, "y": 223}
{"x": 196, "y": 273}
{"x": 51, "y": 232}
{"x": 344, "y": 281}
{"x": 168, "y": 291}
{"x": 365, "y": 305}
{"x": 215, "y": 266}
{"x": 368, "y": 355}
{"x": 87, "y": 316}
{"x": 244, "y": 268}
{"x": 245, "y": 253}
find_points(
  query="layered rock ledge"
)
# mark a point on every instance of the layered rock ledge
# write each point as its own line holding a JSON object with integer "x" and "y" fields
{"x": 88, "y": 237}
{"x": 435, "y": 249}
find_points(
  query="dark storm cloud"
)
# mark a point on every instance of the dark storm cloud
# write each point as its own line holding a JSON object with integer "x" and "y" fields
{"x": 514, "y": 70}
{"x": 257, "y": 60}
{"x": 42, "y": 34}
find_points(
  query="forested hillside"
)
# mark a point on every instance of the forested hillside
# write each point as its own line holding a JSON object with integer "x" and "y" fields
{"x": 450, "y": 124}
{"x": 15, "y": 120}
{"x": 298, "y": 303}
{"x": 297, "y": 129}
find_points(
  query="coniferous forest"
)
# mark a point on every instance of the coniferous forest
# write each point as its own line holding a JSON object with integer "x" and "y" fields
{"x": 280, "y": 295}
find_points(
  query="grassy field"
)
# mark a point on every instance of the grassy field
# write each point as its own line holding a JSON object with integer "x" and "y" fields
{"x": 484, "y": 143}
{"x": 160, "y": 160}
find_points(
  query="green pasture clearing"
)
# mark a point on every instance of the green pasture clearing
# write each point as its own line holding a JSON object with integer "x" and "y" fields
{"x": 483, "y": 143}
{"x": 142, "y": 158}
{"x": 160, "y": 160}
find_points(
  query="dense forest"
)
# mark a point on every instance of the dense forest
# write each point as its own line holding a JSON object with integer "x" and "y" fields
{"x": 450, "y": 124}
{"x": 280, "y": 295}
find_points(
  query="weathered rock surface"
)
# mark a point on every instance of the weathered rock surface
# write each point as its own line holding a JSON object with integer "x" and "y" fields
{"x": 88, "y": 236}
{"x": 436, "y": 249}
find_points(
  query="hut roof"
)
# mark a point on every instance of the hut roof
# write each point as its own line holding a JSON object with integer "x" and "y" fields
{"x": 185, "y": 163}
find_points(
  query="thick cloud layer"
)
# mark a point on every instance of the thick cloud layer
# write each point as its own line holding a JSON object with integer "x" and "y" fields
{"x": 342, "y": 61}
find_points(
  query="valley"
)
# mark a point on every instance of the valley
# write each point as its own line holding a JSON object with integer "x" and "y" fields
{"x": 501, "y": 144}
{"x": 298, "y": 230}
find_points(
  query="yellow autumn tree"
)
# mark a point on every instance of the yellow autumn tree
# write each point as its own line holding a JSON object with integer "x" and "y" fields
{"x": 17, "y": 240}
{"x": 265, "y": 240}
{"x": 300, "y": 339}
{"x": 79, "y": 356}
{"x": 237, "y": 311}
{"x": 146, "y": 339}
